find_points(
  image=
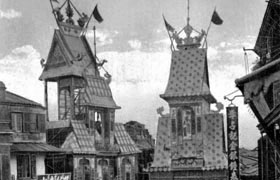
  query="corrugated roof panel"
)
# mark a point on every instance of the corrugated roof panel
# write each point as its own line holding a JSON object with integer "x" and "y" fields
{"x": 126, "y": 144}
{"x": 85, "y": 141}
{"x": 96, "y": 94}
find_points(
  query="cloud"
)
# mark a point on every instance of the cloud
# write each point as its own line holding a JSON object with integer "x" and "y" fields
{"x": 103, "y": 37}
{"x": 135, "y": 44}
{"x": 20, "y": 71}
{"x": 10, "y": 14}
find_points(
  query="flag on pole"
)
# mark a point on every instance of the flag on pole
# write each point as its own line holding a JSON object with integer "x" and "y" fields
{"x": 97, "y": 15}
{"x": 168, "y": 26}
{"x": 216, "y": 18}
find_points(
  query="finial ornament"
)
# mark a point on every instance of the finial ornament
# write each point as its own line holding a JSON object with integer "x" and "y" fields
{"x": 187, "y": 37}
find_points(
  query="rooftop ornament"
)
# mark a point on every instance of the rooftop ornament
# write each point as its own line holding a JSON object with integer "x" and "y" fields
{"x": 69, "y": 13}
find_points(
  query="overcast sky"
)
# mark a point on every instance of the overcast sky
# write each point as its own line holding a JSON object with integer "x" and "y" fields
{"x": 134, "y": 40}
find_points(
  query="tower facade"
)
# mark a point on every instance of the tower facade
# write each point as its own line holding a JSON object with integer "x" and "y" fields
{"x": 190, "y": 138}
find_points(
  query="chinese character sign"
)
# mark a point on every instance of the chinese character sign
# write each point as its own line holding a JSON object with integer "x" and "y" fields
{"x": 233, "y": 143}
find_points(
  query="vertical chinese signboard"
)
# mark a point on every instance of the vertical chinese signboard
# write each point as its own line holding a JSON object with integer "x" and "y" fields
{"x": 233, "y": 142}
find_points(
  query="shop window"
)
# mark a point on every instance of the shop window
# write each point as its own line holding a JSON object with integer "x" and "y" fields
{"x": 26, "y": 166}
{"x": 17, "y": 121}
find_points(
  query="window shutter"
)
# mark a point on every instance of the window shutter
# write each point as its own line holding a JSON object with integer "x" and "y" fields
{"x": 33, "y": 166}
{"x": 41, "y": 123}
{"x": 33, "y": 123}
{"x": 26, "y": 124}
{"x": 5, "y": 166}
{"x": 13, "y": 121}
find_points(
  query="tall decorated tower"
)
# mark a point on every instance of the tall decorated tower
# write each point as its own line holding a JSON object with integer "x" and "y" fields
{"x": 85, "y": 125}
{"x": 190, "y": 138}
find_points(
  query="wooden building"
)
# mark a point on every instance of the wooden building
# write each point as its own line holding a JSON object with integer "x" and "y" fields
{"x": 23, "y": 147}
{"x": 190, "y": 140}
{"x": 100, "y": 148}
{"x": 261, "y": 92}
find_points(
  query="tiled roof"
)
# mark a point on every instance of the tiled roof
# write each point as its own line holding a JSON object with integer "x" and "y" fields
{"x": 124, "y": 141}
{"x": 162, "y": 154}
{"x": 16, "y": 99}
{"x": 188, "y": 74}
{"x": 79, "y": 140}
{"x": 34, "y": 147}
{"x": 98, "y": 93}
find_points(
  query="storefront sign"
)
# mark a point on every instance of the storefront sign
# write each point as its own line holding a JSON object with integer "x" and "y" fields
{"x": 233, "y": 143}
{"x": 59, "y": 176}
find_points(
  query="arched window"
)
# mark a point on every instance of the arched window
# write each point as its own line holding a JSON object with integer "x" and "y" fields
{"x": 126, "y": 169}
{"x": 85, "y": 168}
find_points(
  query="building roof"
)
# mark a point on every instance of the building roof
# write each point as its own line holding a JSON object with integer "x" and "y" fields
{"x": 34, "y": 147}
{"x": 17, "y": 99}
{"x": 189, "y": 75}
{"x": 210, "y": 147}
{"x": 98, "y": 93}
{"x": 70, "y": 54}
{"x": 79, "y": 141}
{"x": 124, "y": 141}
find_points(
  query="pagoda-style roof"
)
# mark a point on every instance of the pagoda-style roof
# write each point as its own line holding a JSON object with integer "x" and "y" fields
{"x": 69, "y": 55}
{"x": 189, "y": 75}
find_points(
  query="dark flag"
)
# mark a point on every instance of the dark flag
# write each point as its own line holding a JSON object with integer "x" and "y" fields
{"x": 97, "y": 15}
{"x": 216, "y": 18}
{"x": 168, "y": 26}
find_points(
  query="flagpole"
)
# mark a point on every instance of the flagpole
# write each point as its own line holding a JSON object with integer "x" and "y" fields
{"x": 172, "y": 45}
{"x": 209, "y": 26}
{"x": 94, "y": 41}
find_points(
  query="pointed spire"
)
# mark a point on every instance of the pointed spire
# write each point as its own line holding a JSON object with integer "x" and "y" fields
{"x": 188, "y": 18}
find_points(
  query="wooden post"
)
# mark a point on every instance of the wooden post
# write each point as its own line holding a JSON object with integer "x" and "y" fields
{"x": 72, "y": 99}
{"x": 46, "y": 99}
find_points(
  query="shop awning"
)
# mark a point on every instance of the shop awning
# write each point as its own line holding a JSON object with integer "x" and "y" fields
{"x": 34, "y": 147}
